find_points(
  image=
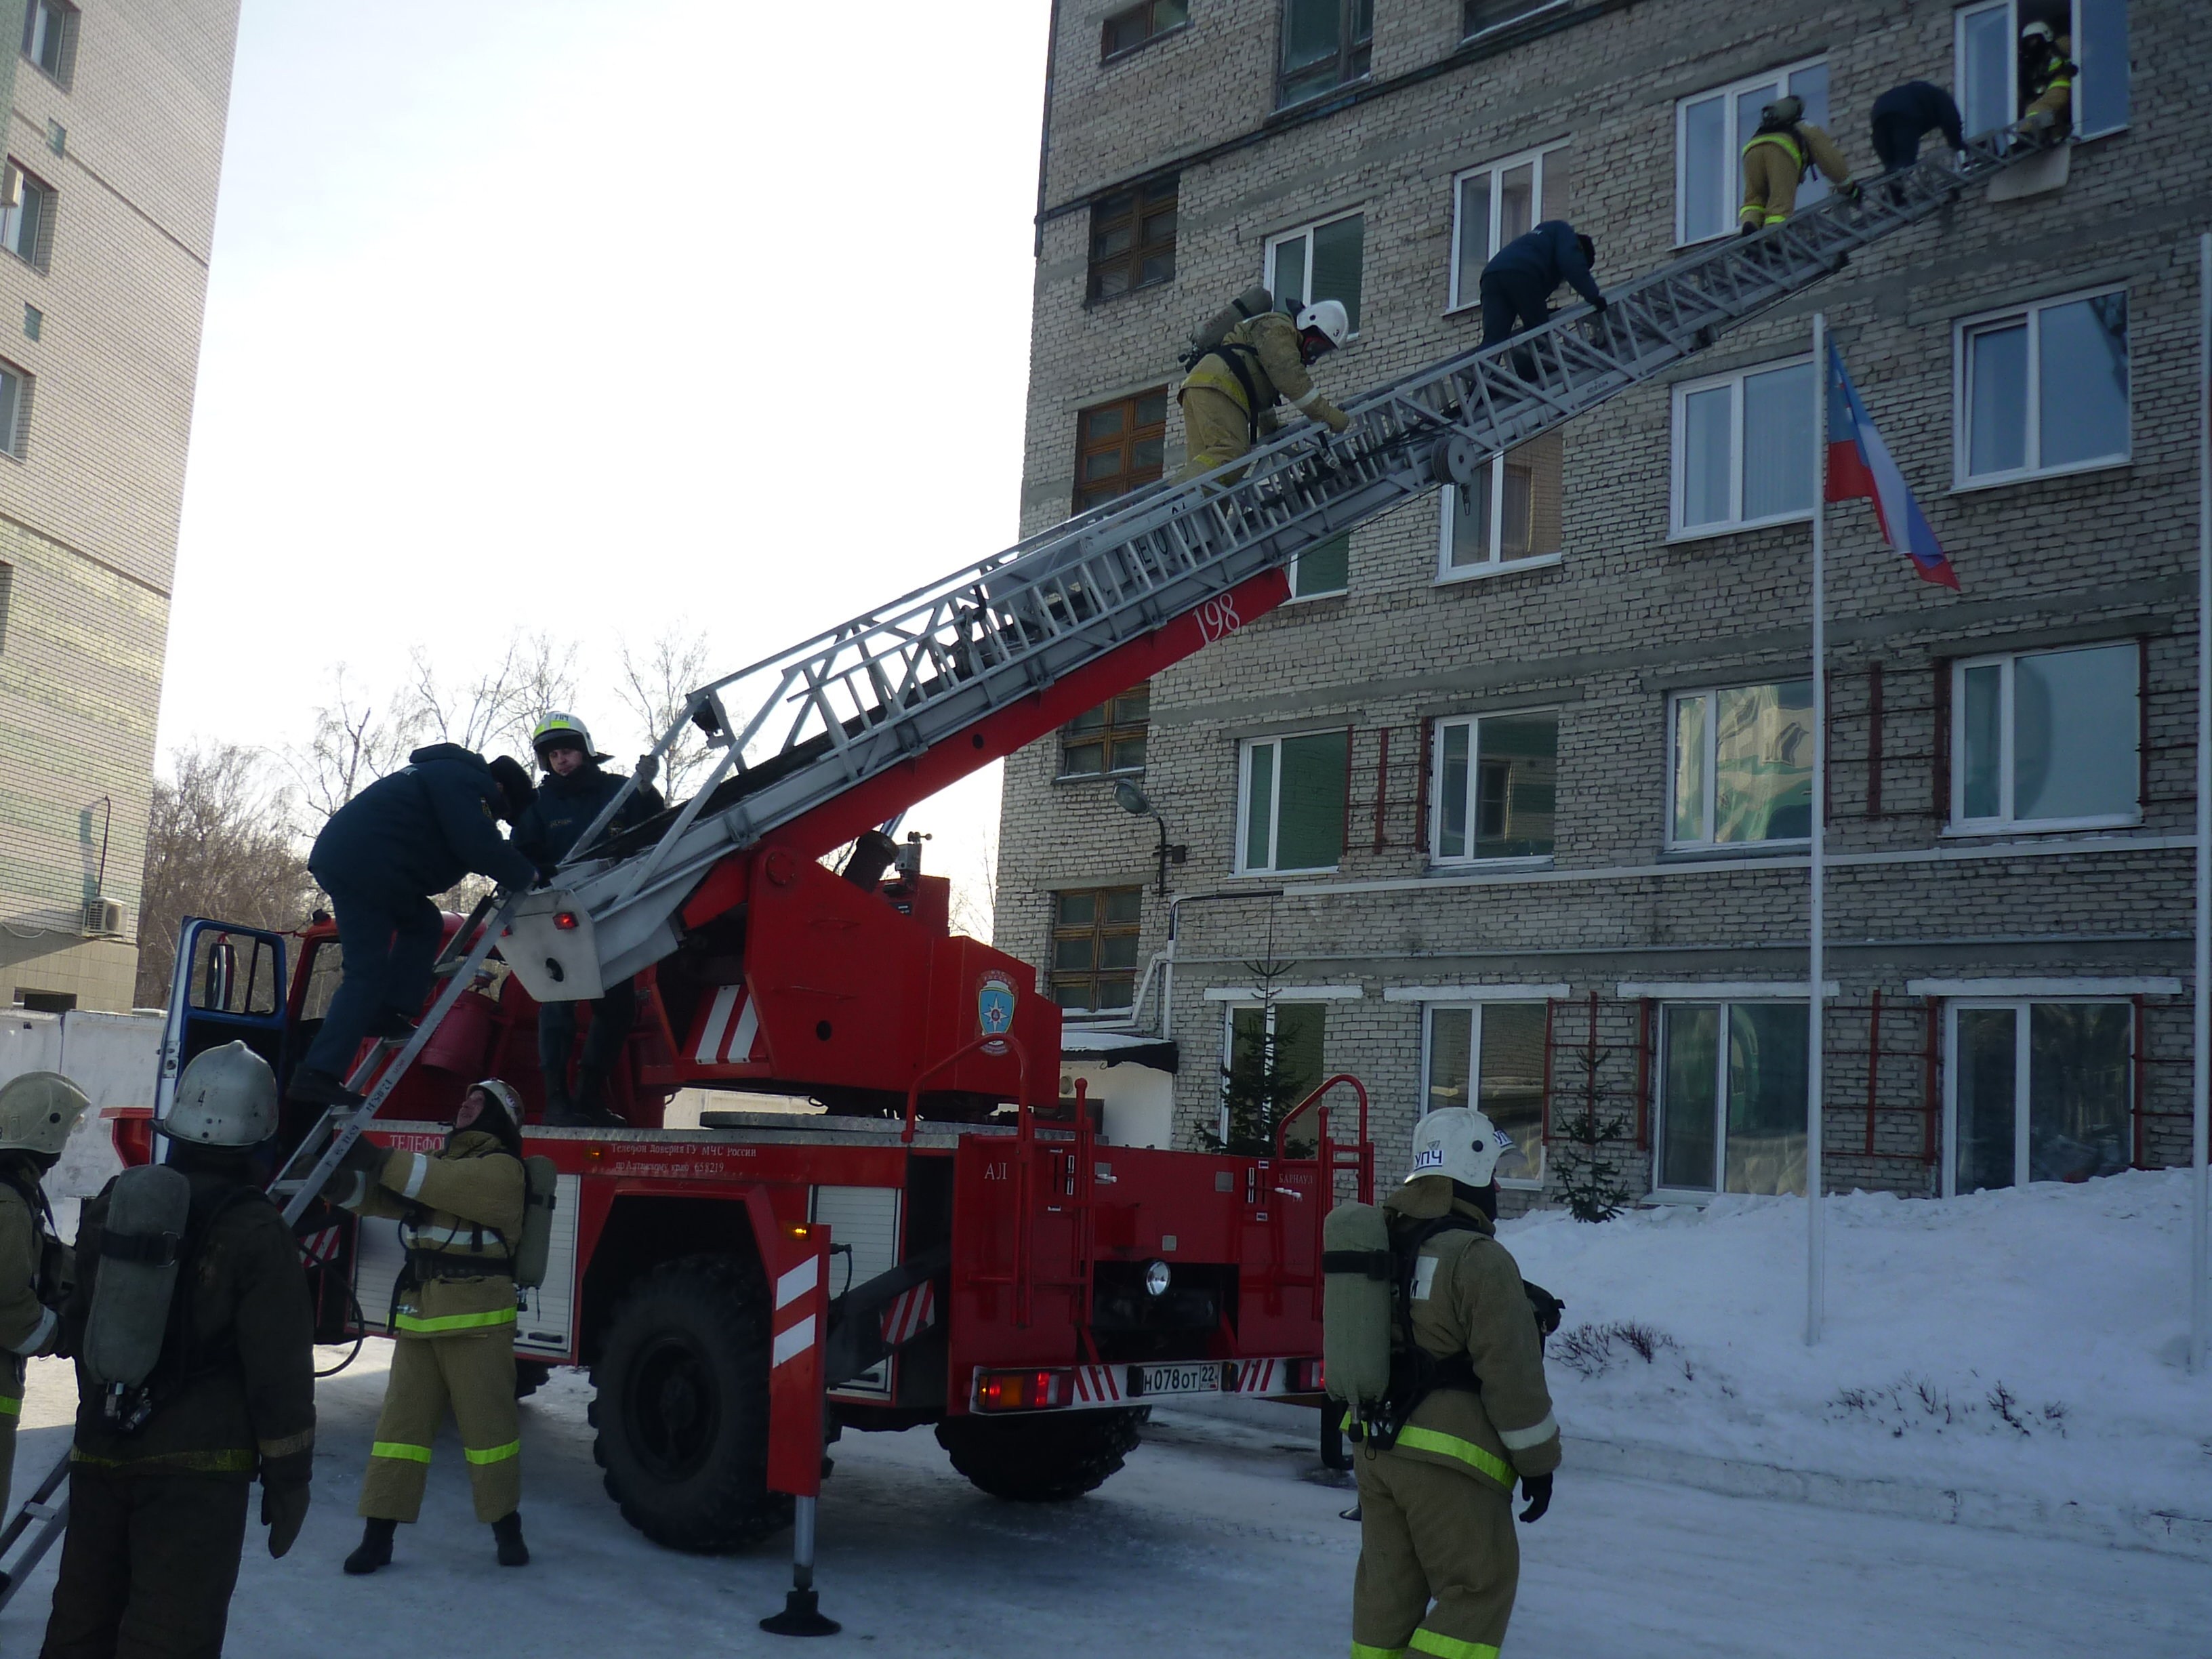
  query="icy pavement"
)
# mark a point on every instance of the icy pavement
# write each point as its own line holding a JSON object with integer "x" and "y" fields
{"x": 1210, "y": 1541}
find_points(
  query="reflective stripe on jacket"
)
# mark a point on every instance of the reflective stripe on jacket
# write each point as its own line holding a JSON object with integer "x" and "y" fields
{"x": 467, "y": 1199}
{"x": 1817, "y": 144}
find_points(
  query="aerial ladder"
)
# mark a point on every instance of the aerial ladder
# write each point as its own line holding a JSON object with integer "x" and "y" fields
{"x": 817, "y": 745}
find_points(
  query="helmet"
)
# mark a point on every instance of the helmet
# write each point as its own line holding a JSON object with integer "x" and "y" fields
{"x": 2042, "y": 31}
{"x": 1460, "y": 1142}
{"x": 1329, "y": 317}
{"x": 559, "y": 731}
{"x": 226, "y": 1098}
{"x": 503, "y": 1096}
{"x": 1784, "y": 112}
{"x": 37, "y": 1112}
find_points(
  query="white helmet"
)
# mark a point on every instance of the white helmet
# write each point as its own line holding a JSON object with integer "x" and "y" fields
{"x": 502, "y": 1094}
{"x": 226, "y": 1098}
{"x": 37, "y": 1112}
{"x": 2042, "y": 31}
{"x": 1329, "y": 317}
{"x": 1460, "y": 1142}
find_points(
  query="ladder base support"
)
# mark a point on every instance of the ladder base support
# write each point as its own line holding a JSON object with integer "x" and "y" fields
{"x": 801, "y": 1616}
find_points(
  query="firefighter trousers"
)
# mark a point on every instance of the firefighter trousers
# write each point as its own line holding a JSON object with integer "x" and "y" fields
{"x": 11, "y": 1412}
{"x": 147, "y": 1563}
{"x": 1428, "y": 1534}
{"x": 1216, "y": 430}
{"x": 1770, "y": 185}
{"x": 474, "y": 1372}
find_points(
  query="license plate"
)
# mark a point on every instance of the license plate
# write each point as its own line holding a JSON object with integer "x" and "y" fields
{"x": 1204, "y": 1378}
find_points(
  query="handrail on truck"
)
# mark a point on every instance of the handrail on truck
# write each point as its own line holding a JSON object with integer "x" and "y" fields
{"x": 1010, "y": 1041}
{"x": 1313, "y": 1099}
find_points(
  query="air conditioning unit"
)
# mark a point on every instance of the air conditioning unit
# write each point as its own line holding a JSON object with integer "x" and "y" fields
{"x": 103, "y": 915}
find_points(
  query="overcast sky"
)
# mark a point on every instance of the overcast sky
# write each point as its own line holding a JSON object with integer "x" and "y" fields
{"x": 601, "y": 319}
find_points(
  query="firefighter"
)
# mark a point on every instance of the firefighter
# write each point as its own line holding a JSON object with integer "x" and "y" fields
{"x": 2046, "y": 84}
{"x": 460, "y": 1211}
{"x": 1229, "y": 396}
{"x": 413, "y": 833}
{"x": 157, "y": 1512}
{"x": 573, "y": 792}
{"x": 1904, "y": 115}
{"x": 1436, "y": 1510}
{"x": 37, "y": 1112}
{"x": 1781, "y": 154}
{"x": 1517, "y": 282}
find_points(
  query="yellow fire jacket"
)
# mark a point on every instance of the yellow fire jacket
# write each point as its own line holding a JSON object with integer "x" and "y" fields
{"x": 1818, "y": 150}
{"x": 465, "y": 1202}
{"x": 1271, "y": 359}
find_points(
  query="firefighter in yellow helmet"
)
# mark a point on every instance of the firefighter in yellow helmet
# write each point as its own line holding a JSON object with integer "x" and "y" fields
{"x": 37, "y": 1112}
{"x": 460, "y": 1211}
{"x": 2046, "y": 84}
{"x": 1438, "y": 1560}
{"x": 1229, "y": 396}
{"x": 1781, "y": 154}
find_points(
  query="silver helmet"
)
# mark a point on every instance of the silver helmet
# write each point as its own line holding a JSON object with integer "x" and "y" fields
{"x": 226, "y": 1098}
{"x": 37, "y": 1112}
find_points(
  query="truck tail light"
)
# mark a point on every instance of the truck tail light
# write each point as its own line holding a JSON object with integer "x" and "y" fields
{"x": 565, "y": 921}
{"x": 1019, "y": 1391}
{"x": 1306, "y": 1377}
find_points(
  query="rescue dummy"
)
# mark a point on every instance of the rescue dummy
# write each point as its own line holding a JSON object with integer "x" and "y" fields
{"x": 1229, "y": 396}
{"x": 461, "y": 1212}
{"x": 1780, "y": 156}
{"x": 1433, "y": 1340}
{"x": 194, "y": 1335}
{"x": 37, "y": 1112}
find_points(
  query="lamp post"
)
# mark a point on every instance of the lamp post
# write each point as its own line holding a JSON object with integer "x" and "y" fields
{"x": 1132, "y": 800}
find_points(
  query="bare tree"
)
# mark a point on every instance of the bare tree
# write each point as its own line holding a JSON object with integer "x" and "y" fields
{"x": 499, "y": 709}
{"x": 354, "y": 741}
{"x": 221, "y": 843}
{"x": 655, "y": 683}
{"x": 975, "y": 892}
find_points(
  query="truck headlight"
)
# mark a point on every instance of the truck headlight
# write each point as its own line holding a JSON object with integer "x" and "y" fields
{"x": 1156, "y": 1279}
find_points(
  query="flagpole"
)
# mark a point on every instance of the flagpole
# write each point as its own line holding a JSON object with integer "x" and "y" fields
{"x": 1816, "y": 1009}
{"x": 2200, "y": 1128}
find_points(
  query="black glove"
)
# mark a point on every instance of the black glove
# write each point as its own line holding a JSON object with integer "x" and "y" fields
{"x": 1537, "y": 1489}
{"x": 649, "y": 769}
{"x": 1601, "y": 305}
{"x": 283, "y": 1511}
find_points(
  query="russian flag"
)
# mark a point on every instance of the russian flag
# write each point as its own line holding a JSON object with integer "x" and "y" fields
{"x": 1860, "y": 465}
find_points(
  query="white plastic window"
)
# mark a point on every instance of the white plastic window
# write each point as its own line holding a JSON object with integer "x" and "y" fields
{"x": 2042, "y": 389}
{"x": 1495, "y": 787}
{"x": 1495, "y": 202}
{"x": 1731, "y": 1098}
{"x": 2046, "y": 740}
{"x": 1711, "y": 128}
{"x": 1489, "y": 1055}
{"x": 1320, "y": 261}
{"x": 1988, "y": 81}
{"x": 1291, "y": 803}
{"x": 1742, "y": 761}
{"x": 1743, "y": 449}
{"x": 2037, "y": 1091}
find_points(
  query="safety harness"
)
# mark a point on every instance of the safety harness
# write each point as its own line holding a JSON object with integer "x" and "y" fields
{"x": 1230, "y": 353}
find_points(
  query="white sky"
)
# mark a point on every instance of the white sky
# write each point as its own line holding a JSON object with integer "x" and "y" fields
{"x": 600, "y": 319}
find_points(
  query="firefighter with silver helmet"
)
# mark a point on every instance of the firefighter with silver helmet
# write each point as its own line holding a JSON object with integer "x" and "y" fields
{"x": 158, "y": 1492}
{"x": 1229, "y": 396}
{"x": 37, "y": 1112}
{"x": 460, "y": 1211}
{"x": 1438, "y": 1560}
{"x": 573, "y": 792}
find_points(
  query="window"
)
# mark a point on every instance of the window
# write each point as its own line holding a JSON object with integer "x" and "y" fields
{"x": 1323, "y": 570}
{"x": 1742, "y": 765}
{"x": 1480, "y": 16}
{"x": 1493, "y": 203}
{"x": 1325, "y": 44}
{"x": 1744, "y": 450}
{"x": 1496, "y": 778}
{"x": 27, "y": 209}
{"x": 1109, "y": 738}
{"x": 2038, "y": 1092}
{"x": 1120, "y": 446}
{"x": 1989, "y": 79}
{"x": 1318, "y": 262}
{"x": 1732, "y": 1097}
{"x": 7, "y": 593}
{"x": 2046, "y": 740}
{"x": 1510, "y": 513}
{"x": 1126, "y": 30}
{"x": 14, "y": 410}
{"x": 2042, "y": 389}
{"x": 1296, "y": 1029}
{"x": 1491, "y": 1056}
{"x": 50, "y": 37}
{"x": 1094, "y": 949}
{"x": 1710, "y": 130}
{"x": 1132, "y": 238}
{"x": 1291, "y": 803}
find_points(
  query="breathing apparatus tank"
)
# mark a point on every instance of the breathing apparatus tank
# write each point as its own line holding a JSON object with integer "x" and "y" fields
{"x": 1357, "y": 1305}
{"x": 536, "y": 1243}
{"x": 141, "y": 1247}
{"x": 1245, "y": 306}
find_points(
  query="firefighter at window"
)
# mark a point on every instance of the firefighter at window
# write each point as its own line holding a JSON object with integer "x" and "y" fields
{"x": 1229, "y": 396}
{"x": 413, "y": 833}
{"x": 159, "y": 1473}
{"x": 1517, "y": 282}
{"x": 460, "y": 1211}
{"x": 37, "y": 1112}
{"x": 1780, "y": 156}
{"x": 2046, "y": 84}
{"x": 573, "y": 793}
{"x": 1438, "y": 1561}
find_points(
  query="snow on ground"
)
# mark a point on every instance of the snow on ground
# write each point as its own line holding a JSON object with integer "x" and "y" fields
{"x": 2027, "y": 1341}
{"x": 1213, "y": 1539}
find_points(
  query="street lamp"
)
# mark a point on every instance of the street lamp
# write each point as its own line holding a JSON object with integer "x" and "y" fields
{"x": 1132, "y": 800}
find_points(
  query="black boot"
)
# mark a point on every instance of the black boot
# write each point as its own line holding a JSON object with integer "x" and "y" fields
{"x": 560, "y": 1105}
{"x": 320, "y": 1089}
{"x": 506, "y": 1532}
{"x": 375, "y": 1549}
{"x": 592, "y": 1099}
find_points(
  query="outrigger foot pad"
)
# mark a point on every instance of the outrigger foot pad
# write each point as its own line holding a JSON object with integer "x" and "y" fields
{"x": 801, "y": 1616}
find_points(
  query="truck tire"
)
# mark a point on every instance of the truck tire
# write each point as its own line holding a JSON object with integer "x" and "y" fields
{"x": 1040, "y": 1460}
{"x": 529, "y": 1375}
{"x": 682, "y": 1407}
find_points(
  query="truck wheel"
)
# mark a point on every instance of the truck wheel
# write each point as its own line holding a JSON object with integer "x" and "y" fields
{"x": 529, "y": 1375}
{"x": 682, "y": 1407}
{"x": 1040, "y": 1460}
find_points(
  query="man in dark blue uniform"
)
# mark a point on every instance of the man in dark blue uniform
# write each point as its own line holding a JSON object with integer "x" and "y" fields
{"x": 1519, "y": 280}
{"x": 403, "y": 838}
{"x": 573, "y": 792}
{"x": 1905, "y": 115}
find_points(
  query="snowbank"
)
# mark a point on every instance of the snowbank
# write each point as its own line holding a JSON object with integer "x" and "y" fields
{"x": 2026, "y": 1341}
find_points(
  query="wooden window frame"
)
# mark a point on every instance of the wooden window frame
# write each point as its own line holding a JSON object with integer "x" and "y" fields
{"x": 1151, "y": 11}
{"x": 1140, "y": 207}
{"x": 1354, "y": 53}
{"x": 1118, "y": 729}
{"x": 1470, "y": 30}
{"x": 1098, "y": 931}
{"x": 1095, "y": 490}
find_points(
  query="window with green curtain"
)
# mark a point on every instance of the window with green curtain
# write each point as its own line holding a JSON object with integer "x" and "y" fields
{"x": 1322, "y": 568}
{"x": 1294, "y": 801}
{"x": 1336, "y": 257}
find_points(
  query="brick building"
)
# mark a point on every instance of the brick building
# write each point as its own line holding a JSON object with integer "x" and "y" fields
{"x": 115, "y": 141}
{"x": 1509, "y": 804}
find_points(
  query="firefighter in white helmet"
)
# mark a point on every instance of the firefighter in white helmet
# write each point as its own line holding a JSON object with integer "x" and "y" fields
{"x": 1229, "y": 396}
{"x": 1438, "y": 1561}
{"x": 37, "y": 1112}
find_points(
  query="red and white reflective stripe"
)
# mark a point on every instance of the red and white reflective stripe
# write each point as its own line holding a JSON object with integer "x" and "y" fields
{"x": 794, "y": 1323}
{"x": 911, "y": 1313}
{"x": 742, "y": 1033}
{"x": 1256, "y": 1375}
{"x": 1098, "y": 1385}
{"x": 322, "y": 1247}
